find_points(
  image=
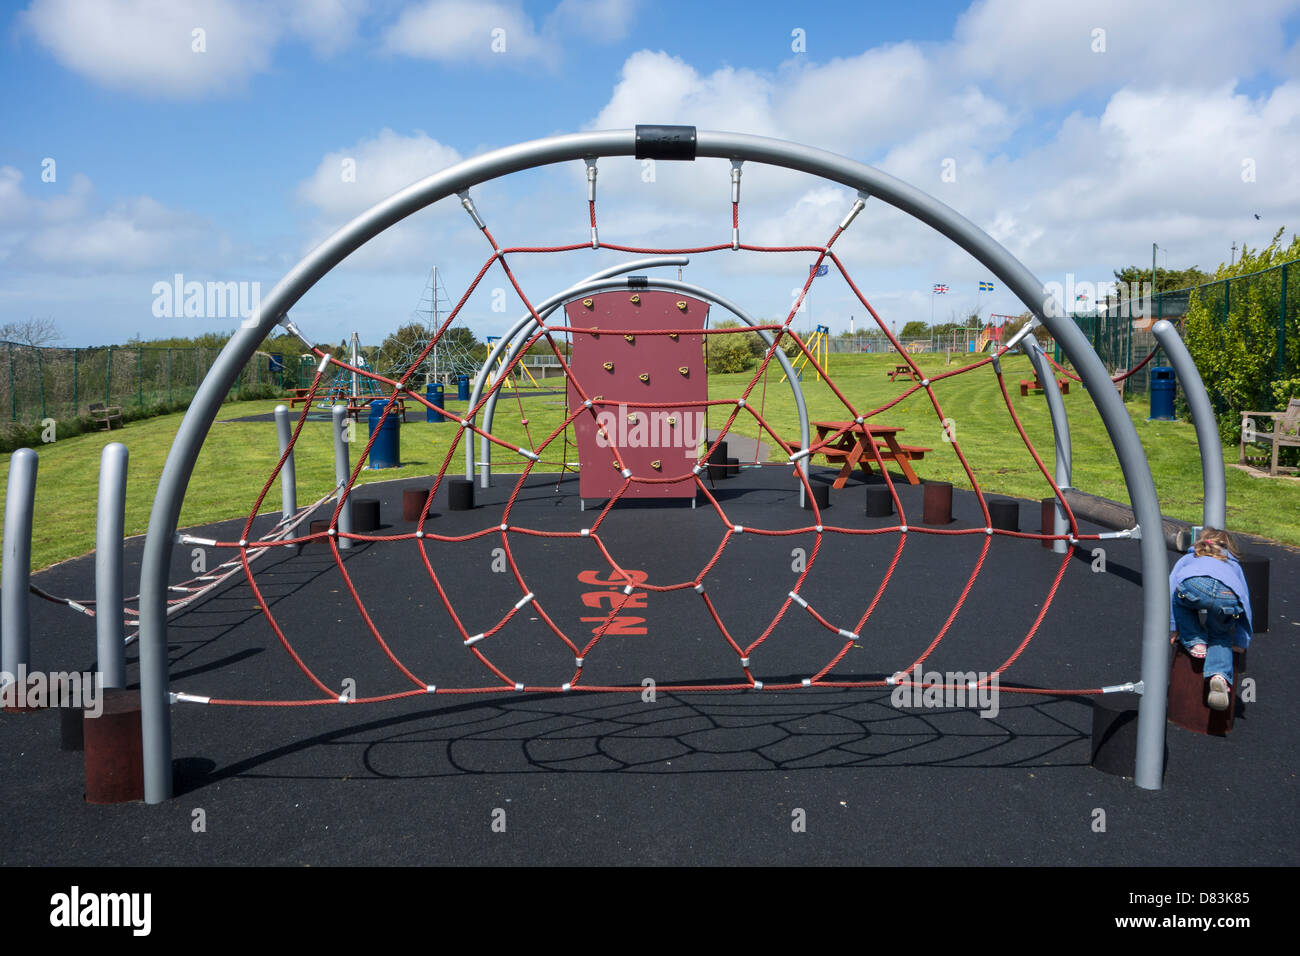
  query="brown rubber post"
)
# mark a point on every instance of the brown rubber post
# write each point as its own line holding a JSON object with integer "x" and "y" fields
{"x": 1048, "y": 525}
{"x": 413, "y": 500}
{"x": 114, "y": 762}
{"x": 937, "y": 507}
{"x": 1187, "y": 691}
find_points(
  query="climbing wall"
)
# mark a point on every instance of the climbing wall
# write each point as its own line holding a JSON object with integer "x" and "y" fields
{"x": 641, "y": 385}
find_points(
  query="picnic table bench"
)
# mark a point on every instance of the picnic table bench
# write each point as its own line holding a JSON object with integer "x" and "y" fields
{"x": 902, "y": 368}
{"x": 854, "y": 445}
{"x": 1037, "y": 386}
{"x": 106, "y": 414}
{"x": 1285, "y": 433}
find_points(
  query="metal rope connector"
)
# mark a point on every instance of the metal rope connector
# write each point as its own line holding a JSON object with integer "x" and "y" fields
{"x": 1128, "y": 688}
{"x": 177, "y": 697}
{"x": 858, "y": 205}
{"x": 469, "y": 208}
{"x": 286, "y": 323}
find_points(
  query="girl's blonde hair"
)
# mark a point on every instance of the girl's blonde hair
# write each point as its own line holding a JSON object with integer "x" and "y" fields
{"x": 1215, "y": 543}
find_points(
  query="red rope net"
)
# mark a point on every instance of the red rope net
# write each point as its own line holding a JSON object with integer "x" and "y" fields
{"x": 498, "y": 678}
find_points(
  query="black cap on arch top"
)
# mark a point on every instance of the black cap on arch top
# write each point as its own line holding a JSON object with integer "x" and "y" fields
{"x": 665, "y": 142}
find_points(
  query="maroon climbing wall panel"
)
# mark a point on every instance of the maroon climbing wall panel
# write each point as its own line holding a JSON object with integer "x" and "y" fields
{"x": 626, "y": 369}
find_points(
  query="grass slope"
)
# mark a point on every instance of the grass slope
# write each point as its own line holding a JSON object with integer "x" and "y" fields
{"x": 238, "y": 456}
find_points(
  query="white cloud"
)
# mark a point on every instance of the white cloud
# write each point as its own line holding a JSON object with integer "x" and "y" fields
{"x": 464, "y": 30}
{"x": 382, "y": 166}
{"x": 602, "y": 20}
{"x": 1046, "y": 52}
{"x": 70, "y": 233}
{"x": 152, "y": 47}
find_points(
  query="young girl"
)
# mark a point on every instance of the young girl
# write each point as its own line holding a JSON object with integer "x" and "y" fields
{"x": 1210, "y": 579}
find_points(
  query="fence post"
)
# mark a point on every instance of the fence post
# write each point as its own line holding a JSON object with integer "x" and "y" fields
{"x": 1281, "y": 327}
{"x": 75, "y": 410}
{"x": 169, "y": 377}
{"x": 108, "y": 377}
{"x": 13, "y": 409}
{"x": 40, "y": 377}
{"x": 139, "y": 376}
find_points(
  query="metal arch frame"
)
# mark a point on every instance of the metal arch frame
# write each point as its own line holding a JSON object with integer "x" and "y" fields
{"x": 164, "y": 517}
{"x": 519, "y": 336}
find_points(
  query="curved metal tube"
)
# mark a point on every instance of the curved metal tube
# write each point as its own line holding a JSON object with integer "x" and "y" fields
{"x": 1214, "y": 509}
{"x": 155, "y": 701}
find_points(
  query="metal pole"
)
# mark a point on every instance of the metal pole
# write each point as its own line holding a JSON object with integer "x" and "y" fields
{"x": 707, "y": 144}
{"x": 1060, "y": 431}
{"x": 288, "y": 487}
{"x": 139, "y": 376}
{"x": 75, "y": 353}
{"x": 1215, "y": 501}
{"x": 342, "y": 471}
{"x": 110, "y": 626}
{"x": 15, "y": 578}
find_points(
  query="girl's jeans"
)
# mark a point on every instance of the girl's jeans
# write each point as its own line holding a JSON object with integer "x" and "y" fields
{"x": 1222, "y": 612}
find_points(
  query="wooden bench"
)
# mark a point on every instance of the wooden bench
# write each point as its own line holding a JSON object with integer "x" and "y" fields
{"x": 106, "y": 414}
{"x": 1036, "y": 385}
{"x": 1285, "y": 433}
{"x": 299, "y": 396}
{"x": 903, "y": 369}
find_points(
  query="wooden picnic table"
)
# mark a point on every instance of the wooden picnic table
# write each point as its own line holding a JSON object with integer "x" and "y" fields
{"x": 902, "y": 368}
{"x": 854, "y": 444}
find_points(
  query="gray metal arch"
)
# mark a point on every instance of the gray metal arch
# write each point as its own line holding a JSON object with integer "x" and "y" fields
{"x": 163, "y": 519}
{"x": 520, "y": 335}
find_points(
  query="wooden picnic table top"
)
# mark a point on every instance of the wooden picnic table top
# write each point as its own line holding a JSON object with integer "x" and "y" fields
{"x": 852, "y": 427}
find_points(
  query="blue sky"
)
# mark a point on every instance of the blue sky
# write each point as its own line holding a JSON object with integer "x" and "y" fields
{"x": 1076, "y": 149}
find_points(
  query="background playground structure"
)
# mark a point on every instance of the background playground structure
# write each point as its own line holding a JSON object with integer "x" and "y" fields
{"x": 238, "y": 452}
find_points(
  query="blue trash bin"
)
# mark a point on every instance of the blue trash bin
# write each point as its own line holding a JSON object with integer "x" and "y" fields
{"x": 462, "y": 388}
{"x": 386, "y": 450}
{"x": 1163, "y": 384}
{"x": 435, "y": 393}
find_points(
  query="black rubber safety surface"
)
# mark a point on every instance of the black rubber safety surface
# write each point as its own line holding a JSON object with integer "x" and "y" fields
{"x": 808, "y": 776}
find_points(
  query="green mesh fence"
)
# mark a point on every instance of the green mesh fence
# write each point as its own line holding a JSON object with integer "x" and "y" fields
{"x": 62, "y": 383}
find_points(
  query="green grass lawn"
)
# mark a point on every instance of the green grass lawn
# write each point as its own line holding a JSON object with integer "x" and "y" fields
{"x": 237, "y": 457}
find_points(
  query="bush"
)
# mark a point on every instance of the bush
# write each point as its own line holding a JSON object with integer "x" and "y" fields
{"x": 733, "y": 352}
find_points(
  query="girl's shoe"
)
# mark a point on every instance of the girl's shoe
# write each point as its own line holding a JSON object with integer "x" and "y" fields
{"x": 1218, "y": 698}
{"x": 1196, "y": 651}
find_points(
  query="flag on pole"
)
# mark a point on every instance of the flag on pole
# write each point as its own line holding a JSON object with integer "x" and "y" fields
{"x": 986, "y": 286}
{"x": 818, "y": 271}
{"x": 1081, "y": 297}
{"x": 940, "y": 289}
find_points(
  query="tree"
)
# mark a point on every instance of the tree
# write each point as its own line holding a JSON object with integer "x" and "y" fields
{"x": 916, "y": 329}
{"x": 1013, "y": 326}
{"x": 1167, "y": 280}
{"x": 1231, "y": 332}
{"x": 34, "y": 332}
